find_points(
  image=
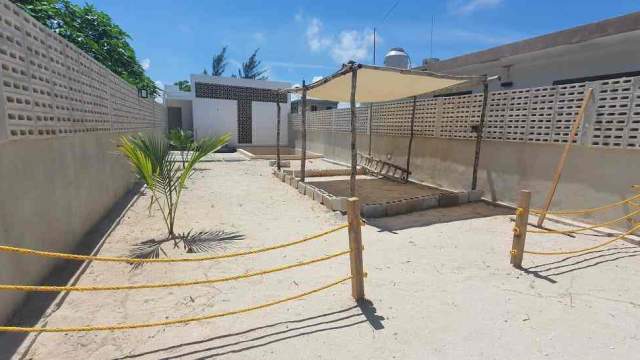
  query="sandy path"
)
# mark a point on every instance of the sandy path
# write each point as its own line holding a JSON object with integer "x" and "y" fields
{"x": 439, "y": 280}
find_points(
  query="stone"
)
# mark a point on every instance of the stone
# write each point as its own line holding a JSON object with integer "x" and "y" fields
{"x": 373, "y": 210}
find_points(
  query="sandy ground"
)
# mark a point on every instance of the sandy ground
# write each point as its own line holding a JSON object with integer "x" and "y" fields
{"x": 439, "y": 281}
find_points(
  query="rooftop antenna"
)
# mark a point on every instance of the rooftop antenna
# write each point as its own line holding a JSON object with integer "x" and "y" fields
{"x": 381, "y": 22}
{"x": 431, "y": 39}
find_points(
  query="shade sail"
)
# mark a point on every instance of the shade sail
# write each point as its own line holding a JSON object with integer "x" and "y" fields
{"x": 376, "y": 84}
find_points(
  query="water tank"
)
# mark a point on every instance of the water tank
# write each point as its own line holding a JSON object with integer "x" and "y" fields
{"x": 397, "y": 58}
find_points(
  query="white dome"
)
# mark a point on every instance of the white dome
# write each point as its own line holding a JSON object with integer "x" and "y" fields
{"x": 397, "y": 58}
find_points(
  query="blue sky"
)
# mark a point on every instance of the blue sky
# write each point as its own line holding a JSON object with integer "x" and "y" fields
{"x": 306, "y": 39}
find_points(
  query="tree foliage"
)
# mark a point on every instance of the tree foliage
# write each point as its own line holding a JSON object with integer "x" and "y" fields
{"x": 219, "y": 63}
{"x": 95, "y": 33}
{"x": 183, "y": 85}
{"x": 251, "y": 69}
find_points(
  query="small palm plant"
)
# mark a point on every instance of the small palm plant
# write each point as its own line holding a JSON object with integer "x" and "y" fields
{"x": 150, "y": 157}
{"x": 181, "y": 140}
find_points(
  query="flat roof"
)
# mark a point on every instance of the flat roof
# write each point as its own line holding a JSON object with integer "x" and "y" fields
{"x": 579, "y": 34}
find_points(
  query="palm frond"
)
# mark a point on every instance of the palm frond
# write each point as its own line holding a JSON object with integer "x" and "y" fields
{"x": 204, "y": 241}
{"x": 148, "y": 249}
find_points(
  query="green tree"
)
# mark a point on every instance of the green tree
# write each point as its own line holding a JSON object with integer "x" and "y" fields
{"x": 183, "y": 85}
{"x": 251, "y": 69}
{"x": 219, "y": 63}
{"x": 95, "y": 33}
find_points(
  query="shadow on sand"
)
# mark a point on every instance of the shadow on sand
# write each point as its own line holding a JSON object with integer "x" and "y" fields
{"x": 35, "y": 304}
{"x": 237, "y": 342}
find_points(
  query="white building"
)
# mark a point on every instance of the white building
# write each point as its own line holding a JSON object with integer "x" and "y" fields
{"x": 602, "y": 50}
{"x": 244, "y": 108}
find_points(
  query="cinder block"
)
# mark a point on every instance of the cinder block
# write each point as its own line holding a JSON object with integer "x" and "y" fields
{"x": 286, "y": 178}
{"x": 339, "y": 204}
{"x": 327, "y": 200}
{"x": 302, "y": 188}
{"x": 282, "y": 176}
{"x": 463, "y": 197}
{"x": 373, "y": 210}
{"x": 396, "y": 208}
{"x": 309, "y": 192}
{"x": 294, "y": 182}
{"x": 428, "y": 202}
{"x": 475, "y": 195}
{"x": 317, "y": 195}
{"x": 448, "y": 199}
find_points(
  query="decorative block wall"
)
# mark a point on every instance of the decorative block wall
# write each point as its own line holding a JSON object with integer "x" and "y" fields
{"x": 536, "y": 115}
{"x": 51, "y": 88}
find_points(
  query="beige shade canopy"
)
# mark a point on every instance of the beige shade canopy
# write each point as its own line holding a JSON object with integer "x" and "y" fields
{"x": 376, "y": 84}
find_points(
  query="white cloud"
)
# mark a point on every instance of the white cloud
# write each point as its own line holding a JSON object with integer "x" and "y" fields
{"x": 160, "y": 86}
{"x": 317, "y": 78}
{"x": 352, "y": 45}
{"x": 146, "y": 63}
{"x": 466, "y": 7}
{"x": 348, "y": 45}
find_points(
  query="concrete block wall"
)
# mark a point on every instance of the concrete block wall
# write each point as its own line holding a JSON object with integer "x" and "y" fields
{"x": 61, "y": 114}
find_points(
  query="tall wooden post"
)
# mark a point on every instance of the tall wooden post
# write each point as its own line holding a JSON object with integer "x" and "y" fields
{"x": 355, "y": 246}
{"x": 303, "y": 162}
{"x": 479, "y": 130}
{"x": 520, "y": 229}
{"x": 354, "y": 153}
{"x": 413, "y": 118}
{"x": 278, "y": 136}
{"x": 563, "y": 157}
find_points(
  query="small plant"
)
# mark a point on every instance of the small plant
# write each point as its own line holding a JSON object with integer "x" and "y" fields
{"x": 150, "y": 157}
{"x": 181, "y": 140}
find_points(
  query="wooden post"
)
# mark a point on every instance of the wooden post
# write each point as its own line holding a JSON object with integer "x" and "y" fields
{"x": 563, "y": 157}
{"x": 413, "y": 118}
{"x": 520, "y": 229}
{"x": 278, "y": 136}
{"x": 303, "y": 162}
{"x": 355, "y": 245}
{"x": 354, "y": 153}
{"x": 480, "y": 129}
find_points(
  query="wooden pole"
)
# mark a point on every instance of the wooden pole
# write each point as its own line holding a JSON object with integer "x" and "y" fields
{"x": 278, "y": 136}
{"x": 479, "y": 130}
{"x": 355, "y": 246}
{"x": 520, "y": 229}
{"x": 354, "y": 153}
{"x": 413, "y": 118}
{"x": 303, "y": 162}
{"x": 563, "y": 157}
{"x": 370, "y": 126}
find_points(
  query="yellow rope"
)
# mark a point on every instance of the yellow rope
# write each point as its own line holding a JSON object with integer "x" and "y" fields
{"x": 166, "y": 285}
{"x": 16, "y": 329}
{"x": 585, "y": 228}
{"x": 584, "y": 211}
{"x": 25, "y": 251}
{"x": 585, "y": 249}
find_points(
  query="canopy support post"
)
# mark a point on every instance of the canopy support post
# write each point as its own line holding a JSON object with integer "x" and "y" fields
{"x": 413, "y": 118}
{"x": 278, "y": 136}
{"x": 370, "y": 125}
{"x": 354, "y": 153}
{"x": 303, "y": 161}
{"x": 479, "y": 129}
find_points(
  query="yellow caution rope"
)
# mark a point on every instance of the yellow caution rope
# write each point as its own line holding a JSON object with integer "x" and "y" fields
{"x": 24, "y": 251}
{"x": 166, "y": 285}
{"x": 585, "y": 228}
{"x": 585, "y": 249}
{"x": 584, "y": 211}
{"x": 16, "y": 329}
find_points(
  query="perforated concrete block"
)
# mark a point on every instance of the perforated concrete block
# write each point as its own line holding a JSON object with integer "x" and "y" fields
{"x": 373, "y": 210}
{"x": 448, "y": 199}
{"x": 475, "y": 195}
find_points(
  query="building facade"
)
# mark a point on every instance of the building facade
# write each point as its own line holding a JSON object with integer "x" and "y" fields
{"x": 245, "y": 108}
{"x": 598, "y": 51}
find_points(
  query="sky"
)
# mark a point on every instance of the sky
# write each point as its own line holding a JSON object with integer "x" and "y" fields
{"x": 301, "y": 39}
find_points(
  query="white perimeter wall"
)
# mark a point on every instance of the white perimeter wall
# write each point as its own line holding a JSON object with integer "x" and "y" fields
{"x": 264, "y": 116}
{"x": 214, "y": 117}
